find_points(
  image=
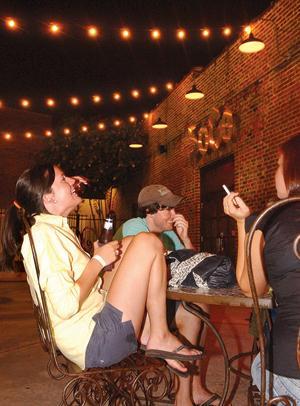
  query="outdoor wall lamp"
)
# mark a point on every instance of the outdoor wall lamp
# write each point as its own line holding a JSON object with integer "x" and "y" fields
{"x": 135, "y": 145}
{"x": 159, "y": 124}
{"x": 251, "y": 45}
{"x": 194, "y": 93}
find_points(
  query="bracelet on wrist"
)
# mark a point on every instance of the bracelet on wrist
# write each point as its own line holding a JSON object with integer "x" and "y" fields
{"x": 99, "y": 259}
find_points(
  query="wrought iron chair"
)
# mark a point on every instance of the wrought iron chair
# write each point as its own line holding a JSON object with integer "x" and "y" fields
{"x": 254, "y": 396}
{"x": 134, "y": 381}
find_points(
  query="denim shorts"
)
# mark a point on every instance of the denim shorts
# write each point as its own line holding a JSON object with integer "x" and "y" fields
{"x": 282, "y": 386}
{"x": 111, "y": 341}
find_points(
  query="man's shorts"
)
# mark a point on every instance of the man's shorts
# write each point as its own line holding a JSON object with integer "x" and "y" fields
{"x": 112, "y": 340}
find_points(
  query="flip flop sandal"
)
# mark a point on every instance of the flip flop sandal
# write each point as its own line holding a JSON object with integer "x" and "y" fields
{"x": 173, "y": 354}
{"x": 176, "y": 371}
{"x": 143, "y": 347}
{"x": 209, "y": 401}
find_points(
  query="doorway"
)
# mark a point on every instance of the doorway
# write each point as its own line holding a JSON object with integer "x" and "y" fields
{"x": 217, "y": 229}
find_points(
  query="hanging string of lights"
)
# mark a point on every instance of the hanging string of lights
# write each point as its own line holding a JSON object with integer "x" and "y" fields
{"x": 101, "y": 125}
{"x": 95, "y": 32}
{"x": 94, "y": 99}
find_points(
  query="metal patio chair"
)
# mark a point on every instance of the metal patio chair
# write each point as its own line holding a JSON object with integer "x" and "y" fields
{"x": 254, "y": 396}
{"x": 134, "y": 381}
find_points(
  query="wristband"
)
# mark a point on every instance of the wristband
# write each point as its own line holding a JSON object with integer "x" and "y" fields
{"x": 100, "y": 260}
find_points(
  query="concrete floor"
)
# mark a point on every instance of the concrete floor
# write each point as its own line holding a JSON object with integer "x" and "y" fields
{"x": 23, "y": 377}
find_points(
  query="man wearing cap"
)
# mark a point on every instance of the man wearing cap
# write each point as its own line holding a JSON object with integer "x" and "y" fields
{"x": 156, "y": 205}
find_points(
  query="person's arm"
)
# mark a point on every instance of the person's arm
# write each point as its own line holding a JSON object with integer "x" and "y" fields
{"x": 88, "y": 277}
{"x": 239, "y": 214}
{"x": 57, "y": 276}
{"x": 182, "y": 226}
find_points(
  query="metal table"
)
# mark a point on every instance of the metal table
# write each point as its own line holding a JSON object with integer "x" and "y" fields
{"x": 227, "y": 296}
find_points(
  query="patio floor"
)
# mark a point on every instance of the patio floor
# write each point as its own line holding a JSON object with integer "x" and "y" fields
{"x": 24, "y": 379}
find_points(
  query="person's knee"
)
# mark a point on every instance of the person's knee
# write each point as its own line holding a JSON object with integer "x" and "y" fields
{"x": 149, "y": 241}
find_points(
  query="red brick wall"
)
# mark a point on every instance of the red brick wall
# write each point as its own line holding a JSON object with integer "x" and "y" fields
{"x": 262, "y": 90}
{"x": 18, "y": 153}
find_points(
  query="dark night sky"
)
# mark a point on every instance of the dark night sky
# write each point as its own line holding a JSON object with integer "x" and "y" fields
{"x": 35, "y": 65}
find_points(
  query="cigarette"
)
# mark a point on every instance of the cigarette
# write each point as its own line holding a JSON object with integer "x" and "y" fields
{"x": 226, "y": 189}
{"x": 228, "y": 192}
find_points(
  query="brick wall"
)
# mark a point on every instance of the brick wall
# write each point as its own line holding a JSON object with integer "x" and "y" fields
{"x": 18, "y": 153}
{"x": 262, "y": 90}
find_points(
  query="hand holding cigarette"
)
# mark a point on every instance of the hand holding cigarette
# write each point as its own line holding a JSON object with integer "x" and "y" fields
{"x": 228, "y": 193}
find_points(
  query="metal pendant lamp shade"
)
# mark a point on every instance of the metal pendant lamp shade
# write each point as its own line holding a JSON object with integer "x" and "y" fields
{"x": 194, "y": 93}
{"x": 251, "y": 45}
{"x": 159, "y": 124}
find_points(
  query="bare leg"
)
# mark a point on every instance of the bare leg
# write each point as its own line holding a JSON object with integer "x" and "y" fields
{"x": 189, "y": 327}
{"x": 141, "y": 280}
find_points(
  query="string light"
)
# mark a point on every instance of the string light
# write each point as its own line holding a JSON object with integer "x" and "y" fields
{"x": 169, "y": 86}
{"x": 117, "y": 96}
{"x": 153, "y": 89}
{"x": 101, "y": 126}
{"x": 205, "y": 32}
{"x": 181, "y": 34}
{"x": 125, "y": 33}
{"x": 96, "y": 98}
{"x": 67, "y": 131}
{"x": 55, "y": 28}
{"x": 74, "y": 101}
{"x": 226, "y": 31}
{"x": 50, "y": 102}
{"x": 248, "y": 29}
{"x": 11, "y": 23}
{"x": 7, "y": 136}
{"x": 155, "y": 33}
{"x": 92, "y": 31}
{"x": 135, "y": 93}
{"x": 25, "y": 103}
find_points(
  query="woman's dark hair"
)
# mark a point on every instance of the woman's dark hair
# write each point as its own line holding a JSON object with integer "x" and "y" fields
{"x": 30, "y": 189}
{"x": 291, "y": 167}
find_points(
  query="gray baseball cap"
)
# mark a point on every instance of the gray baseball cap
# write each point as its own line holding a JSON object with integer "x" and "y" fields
{"x": 158, "y": 194}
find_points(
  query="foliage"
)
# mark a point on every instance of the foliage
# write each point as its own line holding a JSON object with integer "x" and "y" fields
{"x": 104, "y": 157}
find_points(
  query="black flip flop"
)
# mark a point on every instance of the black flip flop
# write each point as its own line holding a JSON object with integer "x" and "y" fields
{"x": 172, "y": 369}
{"x": 173, "y": 354}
